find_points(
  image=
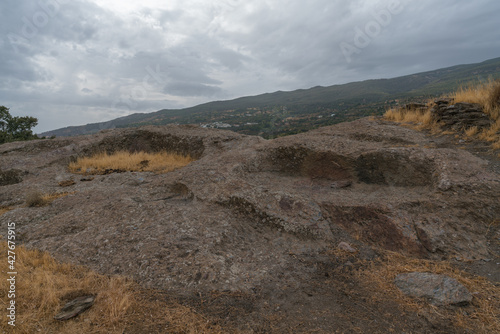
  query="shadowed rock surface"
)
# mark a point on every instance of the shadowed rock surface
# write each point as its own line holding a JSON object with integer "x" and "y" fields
{"x": 259, "y": 218}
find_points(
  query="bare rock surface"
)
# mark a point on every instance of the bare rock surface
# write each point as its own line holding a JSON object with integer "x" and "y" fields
{"x": 257, "y": 217}
{"x": 439, "y": 290}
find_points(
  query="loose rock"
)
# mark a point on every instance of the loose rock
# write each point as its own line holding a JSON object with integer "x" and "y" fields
{"x": 341, "y": 184}
{"x": 346, "y": 247}
{"x": 438, "y": 289}
{"x": 75, "y": 307}
{"x": 67, "y": 183}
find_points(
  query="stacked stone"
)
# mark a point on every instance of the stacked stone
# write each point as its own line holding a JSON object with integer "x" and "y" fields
{"x": 460, "y": 116}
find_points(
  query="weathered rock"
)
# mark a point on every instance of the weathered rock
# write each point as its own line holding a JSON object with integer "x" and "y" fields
{"x": 255, "y": 216}
{"x": 430, "y": 233}
{"x": 437, "y": 289}
{"x": 75, "y": 307}
{"x": 460, "y": 116}
{"x": 414, "y": 106}
{"x": 443, "y": 101}
{"x": 67, "y": 183}
{"x": 9, "y": 177}
{"x": 347, "y": 247}
{"x": 341, "y": 184}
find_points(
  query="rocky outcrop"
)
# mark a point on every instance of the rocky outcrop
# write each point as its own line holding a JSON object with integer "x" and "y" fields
{"x": 460, "y": 116}
{"x": 253, "y": 216}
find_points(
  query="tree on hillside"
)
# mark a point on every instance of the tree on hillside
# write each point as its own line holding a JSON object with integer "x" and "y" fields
{"x": 14, "y": 128}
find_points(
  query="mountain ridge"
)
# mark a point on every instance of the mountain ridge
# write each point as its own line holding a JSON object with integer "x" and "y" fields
{"x": 288, "y": 112}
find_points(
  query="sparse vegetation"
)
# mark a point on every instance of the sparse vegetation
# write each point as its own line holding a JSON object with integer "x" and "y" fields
{"x": 420, "y": 119}
{"x": 487, "y": 95}
{"x": 480, "y": 317}
{"x": 44, "y": 285}
{"x": 102, "y": 163}
{"x": 4, "y": 209}
{"x": 37, "y": 198}
{"x": 471, "y": 132}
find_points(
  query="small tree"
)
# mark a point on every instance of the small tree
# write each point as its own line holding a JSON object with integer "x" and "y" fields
{"x": 14, "y": 128}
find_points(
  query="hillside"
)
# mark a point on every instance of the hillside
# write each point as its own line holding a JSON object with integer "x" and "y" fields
{"x": 274, "y": 114}
{"x": 319, "y": 232}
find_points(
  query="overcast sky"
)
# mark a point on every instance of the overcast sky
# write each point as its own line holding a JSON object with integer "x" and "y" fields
{"x": 73, "y": 62}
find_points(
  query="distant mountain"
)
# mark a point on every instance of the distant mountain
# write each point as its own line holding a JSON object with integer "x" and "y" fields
{"x": 280, "y": 113}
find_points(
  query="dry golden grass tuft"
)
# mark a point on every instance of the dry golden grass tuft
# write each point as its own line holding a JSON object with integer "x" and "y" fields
{"x": 44, "y": 285}
{"x": 472, "y": 131}
{"x": 415, "y": 118}
{"x": 480, "y": 317}
{"x": 161, "y": 162}
{"x": 37, "y": 198}
{"x": 487, "y": 95}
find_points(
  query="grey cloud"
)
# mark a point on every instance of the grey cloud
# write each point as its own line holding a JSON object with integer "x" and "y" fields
{"x": 229, "y": 59}
{"x": 85, "y": 58}
{"x": 191, "y": 89}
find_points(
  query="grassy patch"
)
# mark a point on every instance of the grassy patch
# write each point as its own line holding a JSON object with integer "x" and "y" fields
{"x": 487, "y": 95}
{"x": 161, "y": 162}
{"x": 472, "y": 131}
{"x": 479, "y": 317}
{"x": 414, "y": 118}
{"x": 44, "y": 285}
{"x": 38, "y": 199}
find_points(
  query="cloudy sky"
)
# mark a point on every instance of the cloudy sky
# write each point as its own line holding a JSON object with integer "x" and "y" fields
{"x": 72, "y": 62}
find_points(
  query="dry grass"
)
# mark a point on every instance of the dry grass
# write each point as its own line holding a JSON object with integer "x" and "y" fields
{"x": 480, "y": 317}
{"x": 414, "y": 118}
{"x": 37, "y": 198}
{"x": 487, "y": 95}
{"x": 4, "y": 209}
{"x": 472, "y": 131}
{"x": 44, "y": 285}
{"x": 161, "y": 162}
